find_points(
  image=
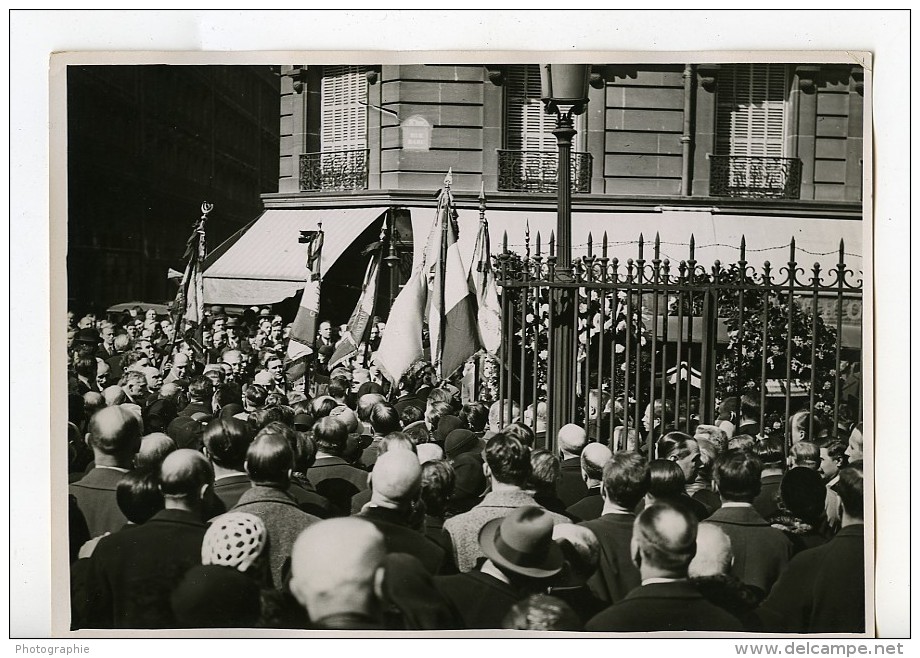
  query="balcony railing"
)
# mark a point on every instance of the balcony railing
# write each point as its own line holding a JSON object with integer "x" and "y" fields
{"x": 333, "y": 170}
{"x": 755, "y": 176}
{"x": 535, "y": 171}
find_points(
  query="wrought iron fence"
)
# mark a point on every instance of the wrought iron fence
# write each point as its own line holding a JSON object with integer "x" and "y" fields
{"x": 334, "y": 170}
{"x": 755, "y": 176}
{"x": 690, "y": 336}
{"x": 536, "y": 171}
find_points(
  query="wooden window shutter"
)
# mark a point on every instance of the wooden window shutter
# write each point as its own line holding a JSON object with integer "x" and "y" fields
{"x": 527, "y": 126}
{"x": 751, "y": 111}
{"x": 344, "y": 118}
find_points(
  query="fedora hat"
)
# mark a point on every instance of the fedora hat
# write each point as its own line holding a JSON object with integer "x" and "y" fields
{"x": 522, "y": 542}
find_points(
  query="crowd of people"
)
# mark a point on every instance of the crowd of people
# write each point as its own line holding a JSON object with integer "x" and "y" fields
{"x": 208, "y": 491}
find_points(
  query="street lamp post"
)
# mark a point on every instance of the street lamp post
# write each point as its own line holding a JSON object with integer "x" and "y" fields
{"x": 564, "y": 90}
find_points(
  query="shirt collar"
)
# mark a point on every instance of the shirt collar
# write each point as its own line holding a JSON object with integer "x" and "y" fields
{"x": 613, "y": 508}
{"x": 732, "y": 503}
{"x": 652, "y": 581}
{"x": 113, "y": 468}
{"x": 490, "y": 569}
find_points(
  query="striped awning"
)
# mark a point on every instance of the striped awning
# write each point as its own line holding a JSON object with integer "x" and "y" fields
{"x": 267, "y": 263}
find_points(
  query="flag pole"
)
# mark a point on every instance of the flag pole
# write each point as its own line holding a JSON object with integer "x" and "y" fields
{"x": 442, "y": 280}
{"x": 194, "y": 252}
{"x": 310, "y": 238}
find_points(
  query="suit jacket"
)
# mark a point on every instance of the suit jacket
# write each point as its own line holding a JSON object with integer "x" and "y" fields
{"x": 284, "y": 521}
{"x": 310, "y": 501}
{"x": 761, "y": 552}
{"x": 588, "y": 508}
{"x": 822, "y": 589}
{"x": 766, "y": 503}
{"x": 230, "y": 488}
{"x": 616, "y": 574}
{"x": 197, "y": 408}
{"x": 571, "y": 488}
{"x": 95, "y": 494}
{"x": 337, "y": 481}
{"x": 671, "y": 606}
{"x": 400, "y": 538}
{"x": 131, "y": 577}
{"x": 464, "y": 528}
{"x": 478, "y": 600}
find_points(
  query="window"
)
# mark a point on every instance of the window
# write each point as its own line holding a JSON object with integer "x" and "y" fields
{"x": 750, "y": 157}
{"x": 527, "y": 126}
{"x": 342, "y": 161}
{"x": 344, "y": 109}
{"x": 751, "y": 110}
{"x": 529, "y": 161}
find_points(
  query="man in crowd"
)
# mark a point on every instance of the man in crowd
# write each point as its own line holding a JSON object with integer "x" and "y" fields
{"x": 521, "y": 557}
{"x": 334, "y": 478}
{"x": 115, "y": 437}
{"x": 593, "y": 459}
{"x": 201, "y": 393}
{"x": 761, "y": 551}
{"x": 572, "y": 440}
{"x": 625, "y": 483}
{"x": 269, "y": 463}
{"x": 663, "y": 545}
{"x": 132, "y": 574}
{"x": 823, "y": 589}
{"x": 337, "y": 573}
{"x": 393, "y": 509}
{"x": 507, "y": 464}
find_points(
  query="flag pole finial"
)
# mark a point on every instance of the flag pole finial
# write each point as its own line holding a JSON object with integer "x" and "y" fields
{"x": 449, "y": 178}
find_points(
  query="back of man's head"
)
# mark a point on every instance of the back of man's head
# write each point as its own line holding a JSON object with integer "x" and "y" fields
{"x": 226, "y": 440}
{"x": 366, "y": 403}
{"x": 737, "y": 476}
{"x": 572, "y": 440}
{"x": 593, "y": 459}
{"x": 850, "y": 489}
{"x": 93, "y": 402}
{"x": 115, "y": 432}
{"x": 580, "y": 546}
{"x": 331, "y": 436}
{"x": 750, "y": 407}
{"x": 626, "y": 479}
{"x": 114, "y": 395}
{"x": 396, "y": 478}
{"x": 664, "y": 540}
{"x": 154, "y": 449}
{"x": 184, "y": 474}
{"x": 335, "y": 567}
{"x": 521, "y": 432}
{"x": 503, "y": 412}
{"x": 715, "y": 434}
{"x": 770, "y": 453}
{"x": 384, "y": 419}
{"x": 807, "y": 454}
{"x": 169, "y": 391}
{"x": 714, "y": 554}
{"x": 201, "y": 389}
{"x": 508, "y": 460}
{"x": 270, "y": 460}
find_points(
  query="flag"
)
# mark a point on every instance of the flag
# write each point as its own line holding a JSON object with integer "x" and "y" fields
{"x": 360, "y": 317}
{"x": 189, "y": 303}
{"x": 438, "y": 293}
{"x": 452, "y": 311}
{"x": 303, "y": 331}
{"x": 401, "y": 341}
{"x": 482, "y": 283}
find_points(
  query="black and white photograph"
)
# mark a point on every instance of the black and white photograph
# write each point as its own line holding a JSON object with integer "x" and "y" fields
{"x": 464, "y": 344}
